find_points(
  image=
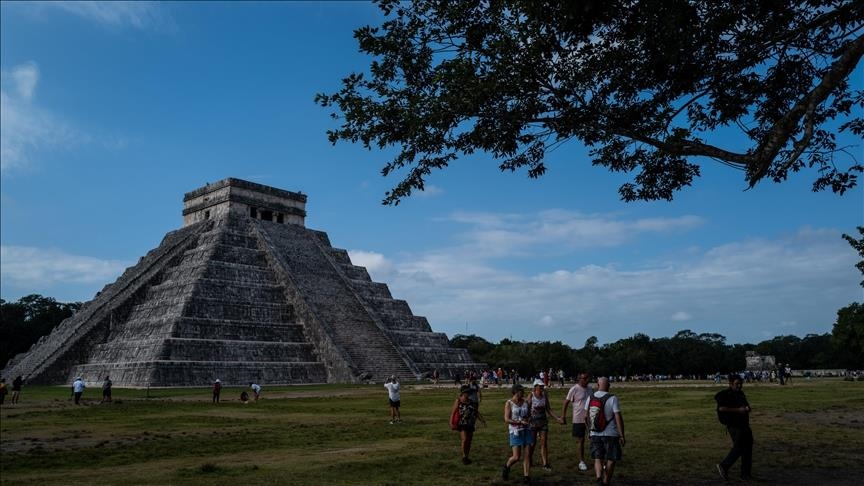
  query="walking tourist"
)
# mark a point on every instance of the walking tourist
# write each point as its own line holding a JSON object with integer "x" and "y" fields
{"x": 606, "y": 430}
{"x": 106, "y": 390}
{"x": 541, "y": 410}
{"x": 578, "y": 396}
{"x": 78, "y": 387}
{"x": 17, "y": 383}
{"x": 516, "y": 416}
{"x": 467, "y": 417}
{"x": 733, "y": 410}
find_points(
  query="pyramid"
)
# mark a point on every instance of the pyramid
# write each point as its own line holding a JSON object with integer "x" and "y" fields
{"x": 243, "y": 292}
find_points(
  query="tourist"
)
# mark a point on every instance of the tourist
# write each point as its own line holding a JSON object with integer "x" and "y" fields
{"x": 475, "y": 394}
{"x": 17, "y": 383}
{"x": 106, "y": 390}
{"x": 606, "y": 444}
{"x": 467, "y": 414}
{"x": 541, "y": 410}
{"x": 256, "y": 390}
{"x": 392, "y": 386}
{"x": 516, "y": 415}
{"x": 78, "y": 387}
{"x": 217, "y": 390}
{"x": 578, "y": 396}
{"x": 435, "y": 376}
{"x": 733, "y": 410}
{"x": 3, "y": 390}
{"x": 244, "y": 396}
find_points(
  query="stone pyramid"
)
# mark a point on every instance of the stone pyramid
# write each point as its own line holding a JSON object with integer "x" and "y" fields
{"x": 244, "y": 292}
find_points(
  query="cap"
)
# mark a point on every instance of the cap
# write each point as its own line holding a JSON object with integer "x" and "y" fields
{"x": 464, "y": 389}
{"x": 539, "y": 382}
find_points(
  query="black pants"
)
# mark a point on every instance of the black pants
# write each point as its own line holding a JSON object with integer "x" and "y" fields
{"x": 742, "y": 446}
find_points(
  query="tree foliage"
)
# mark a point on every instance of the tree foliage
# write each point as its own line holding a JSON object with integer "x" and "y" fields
{"x": 858, "y": 245}
{"x": 848, "y": 336}
{"x": 22, "y": 323}
{"x": 647, "y": 86}
{"x": 686, "y": 353}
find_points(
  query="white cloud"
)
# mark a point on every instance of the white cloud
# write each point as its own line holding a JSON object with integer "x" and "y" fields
{"x": 140, "y": 15}
{"x": 559, "y": 231}
{"x": 428, "y": 191}
{"x": 25, "y": 76}
{"x": 374, "y": 262}
{"x": 37, "y": 268}
{"x": 738, "y": 289}
{"x": 26, "y": 127}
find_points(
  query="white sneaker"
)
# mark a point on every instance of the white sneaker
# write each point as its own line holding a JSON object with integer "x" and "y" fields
{"x": 583, "y": 466}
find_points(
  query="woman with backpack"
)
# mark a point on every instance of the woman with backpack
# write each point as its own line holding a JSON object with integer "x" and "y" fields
{"x": 464, "y": 417}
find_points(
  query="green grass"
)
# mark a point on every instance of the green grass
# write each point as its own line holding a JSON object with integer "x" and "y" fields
{"x": 809, "y": 433}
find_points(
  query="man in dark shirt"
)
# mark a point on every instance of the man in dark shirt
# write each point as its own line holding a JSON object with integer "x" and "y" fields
{"x": 734, "y": 411}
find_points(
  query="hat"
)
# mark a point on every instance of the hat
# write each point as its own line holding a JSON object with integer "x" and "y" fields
{"x": 516, "y": 388}
{"x": 217, "y": 380}
{"x": 539, "y": 382}
{"x": 464, "y": 389}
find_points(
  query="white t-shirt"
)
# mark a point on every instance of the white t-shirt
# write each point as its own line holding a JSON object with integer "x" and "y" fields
{"x": 610, "y": 410}
{"x": 578, "y": 396}
{"x": 256, "y": 388}
{"x": 392, "y": 391}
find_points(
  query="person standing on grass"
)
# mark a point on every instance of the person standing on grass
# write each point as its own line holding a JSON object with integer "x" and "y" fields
{"x": 733, "y": 410}
{"x": 606, "y": 443}
{"x": 392, "y": 386}
{"x": 78, "y": 389}
{"x": 106, "y": 390}
{"x": 578, "y": 396}
{"x": 541, "y": 410}
{"x": 516, "y": 416}
{"x": 475, "y": 393}
{"x": 468, "y": 415}
{"x": 217, "y": 390}
{"x": 17, "y": 383}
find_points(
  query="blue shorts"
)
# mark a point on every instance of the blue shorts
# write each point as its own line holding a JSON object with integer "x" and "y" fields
{"x": 395, "y": 403}
{"x": 608, "y": 448}
{"x": 522, "y": 438}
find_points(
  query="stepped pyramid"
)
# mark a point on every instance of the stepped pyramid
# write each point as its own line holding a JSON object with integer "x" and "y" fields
{"x": 244, "y": 292}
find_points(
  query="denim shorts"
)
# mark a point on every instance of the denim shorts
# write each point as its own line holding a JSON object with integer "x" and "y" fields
{"x": 521, "y": 438}
{"x": 608, "y": 448}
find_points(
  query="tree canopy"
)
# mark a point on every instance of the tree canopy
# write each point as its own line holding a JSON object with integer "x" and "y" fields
{"x": 650, "y": 87}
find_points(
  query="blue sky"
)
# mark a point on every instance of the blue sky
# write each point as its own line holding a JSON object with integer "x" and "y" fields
{"x": 112, "y": 111}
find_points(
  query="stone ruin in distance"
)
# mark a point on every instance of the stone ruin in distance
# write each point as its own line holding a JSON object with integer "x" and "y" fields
{"x": 243, "y": 292}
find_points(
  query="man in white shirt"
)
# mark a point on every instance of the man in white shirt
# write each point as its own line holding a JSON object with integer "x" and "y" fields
{"x": 578, "y": 396}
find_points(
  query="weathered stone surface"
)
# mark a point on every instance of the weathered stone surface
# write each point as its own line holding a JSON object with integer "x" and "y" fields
{"x": 243, "y": 292}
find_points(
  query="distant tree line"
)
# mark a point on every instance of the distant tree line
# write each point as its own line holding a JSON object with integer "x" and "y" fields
{"x": 686, "y": 353}
{"x": 22, "y": 323}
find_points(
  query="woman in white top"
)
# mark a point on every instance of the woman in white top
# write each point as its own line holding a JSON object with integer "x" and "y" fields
{"x": 517, "y": 413}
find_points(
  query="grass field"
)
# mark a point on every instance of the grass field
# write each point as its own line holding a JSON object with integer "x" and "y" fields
{"x": 811, "y": 432}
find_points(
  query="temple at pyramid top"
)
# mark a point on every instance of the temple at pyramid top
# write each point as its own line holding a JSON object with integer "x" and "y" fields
{"x": 243, "y": 198}
{"x": 243, "y": 292}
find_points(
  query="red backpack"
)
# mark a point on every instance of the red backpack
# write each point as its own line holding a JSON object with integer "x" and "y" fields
{"x": 597, "y": 421}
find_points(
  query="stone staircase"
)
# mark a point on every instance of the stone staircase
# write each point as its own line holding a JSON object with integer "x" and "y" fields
{"x": 219, "y": 313}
